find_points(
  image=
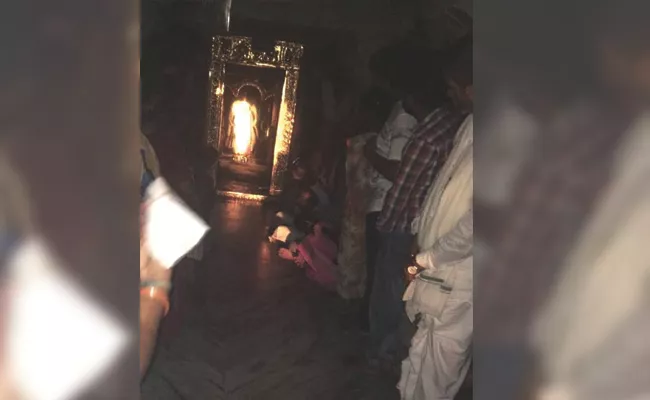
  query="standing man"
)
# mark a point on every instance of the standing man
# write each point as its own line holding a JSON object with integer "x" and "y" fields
{"x": 384, "y": 153}
{"x": 440, "y": 299}
{"x": 422, "y": 158}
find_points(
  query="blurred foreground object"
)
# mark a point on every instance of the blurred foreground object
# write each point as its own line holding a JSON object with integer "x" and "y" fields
{"x": 593, "y": 333}
{"x": 563, "y": 226}
{"x": 60, "y": 339}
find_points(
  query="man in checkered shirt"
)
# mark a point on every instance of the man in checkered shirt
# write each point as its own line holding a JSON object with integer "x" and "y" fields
{"x": 422, "y": 158}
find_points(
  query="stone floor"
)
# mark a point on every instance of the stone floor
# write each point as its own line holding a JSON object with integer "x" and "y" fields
{"x": 253, "y": 328}
{"x": 246, "y": 325}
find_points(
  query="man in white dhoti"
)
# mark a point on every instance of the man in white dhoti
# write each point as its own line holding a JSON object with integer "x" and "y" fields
{"x": 440, "y": 299}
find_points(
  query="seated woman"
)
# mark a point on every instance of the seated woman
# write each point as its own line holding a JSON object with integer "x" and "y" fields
{"x": 291, "y": 224}
{"x": 303, "y": 201}
{"x": 304, "y": 230}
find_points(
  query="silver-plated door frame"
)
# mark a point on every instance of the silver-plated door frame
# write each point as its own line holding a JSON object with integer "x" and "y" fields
{"x": 238, "y": 50}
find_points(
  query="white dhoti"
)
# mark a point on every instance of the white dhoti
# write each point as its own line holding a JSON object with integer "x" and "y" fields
{"x": 441, "y": 295}
{"x": 440, "y": 352}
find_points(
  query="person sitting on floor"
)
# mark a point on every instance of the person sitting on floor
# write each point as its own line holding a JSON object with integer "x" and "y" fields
{"x": 316, "y": 253}
{"x": 304, "y": 230}
{"x": 303, "y": 202}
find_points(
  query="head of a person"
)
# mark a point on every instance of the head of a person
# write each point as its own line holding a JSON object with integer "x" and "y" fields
{"x": 443, "y": 27}
{"x": 374, "y": 107}
{"x": 384, "y": 66}
{"x": 425, "y": 96}
{"x": 459, "y": 76}
{"x": 393, "y": 67}
{"x": 622, "y": 50}
{"x": 424, "y": 84}
{"x": 298, "y": 169}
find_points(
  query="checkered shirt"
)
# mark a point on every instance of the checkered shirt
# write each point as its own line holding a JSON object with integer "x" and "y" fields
{"x": 423, "y": 157}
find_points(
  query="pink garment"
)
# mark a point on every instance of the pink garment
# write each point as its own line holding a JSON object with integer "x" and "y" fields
{"x": 317, "y": 253}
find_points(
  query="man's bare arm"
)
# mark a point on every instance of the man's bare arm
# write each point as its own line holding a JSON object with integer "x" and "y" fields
{"x": 151, "y": 313}
{"x": 157, "y": 281}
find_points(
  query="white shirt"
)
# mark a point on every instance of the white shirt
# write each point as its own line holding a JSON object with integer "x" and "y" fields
{"x": 391, "y": 140}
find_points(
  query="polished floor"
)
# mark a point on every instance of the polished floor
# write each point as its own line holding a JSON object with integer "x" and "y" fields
{"x": 246, "y": 325}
